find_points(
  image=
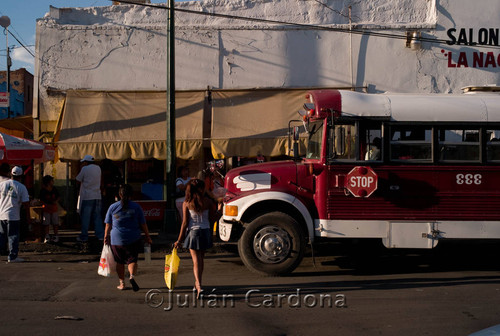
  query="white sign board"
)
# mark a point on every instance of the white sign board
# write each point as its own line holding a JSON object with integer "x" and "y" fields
{"x": 4, "y": 99}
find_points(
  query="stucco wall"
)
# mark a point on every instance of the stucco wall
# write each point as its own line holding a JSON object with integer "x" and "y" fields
{"x": 124, "y": 47}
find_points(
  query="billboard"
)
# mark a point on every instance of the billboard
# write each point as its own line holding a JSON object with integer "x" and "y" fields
{"x": 4, "y": 99}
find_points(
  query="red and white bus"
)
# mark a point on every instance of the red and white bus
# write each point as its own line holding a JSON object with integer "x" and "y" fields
{"x": 409, "y": 169}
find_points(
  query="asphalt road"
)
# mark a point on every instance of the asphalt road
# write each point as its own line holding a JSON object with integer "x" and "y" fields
{"x": 354, "y": 289}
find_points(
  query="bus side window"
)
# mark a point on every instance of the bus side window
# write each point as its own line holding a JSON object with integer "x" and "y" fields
{"x": 411, "y": 143}
{"x": 459, "y": 145}
{"x": 357, "y": 141}
{"x": 345, "y": 142}
{"x": 371, "y": 149}
{"x": 493, "y": 145}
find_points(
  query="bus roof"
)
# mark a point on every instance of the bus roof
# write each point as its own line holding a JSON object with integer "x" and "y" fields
{"x": 477, "y": 107}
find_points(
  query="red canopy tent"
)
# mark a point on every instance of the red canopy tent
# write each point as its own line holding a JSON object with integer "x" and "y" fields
{"x": 20, "y": 151}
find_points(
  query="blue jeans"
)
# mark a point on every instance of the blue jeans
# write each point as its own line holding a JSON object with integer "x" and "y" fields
{"x": 90, "y": 211}
{"x": 10, "y": 229}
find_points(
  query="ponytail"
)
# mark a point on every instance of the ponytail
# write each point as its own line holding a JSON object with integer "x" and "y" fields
{"x": 125, "y": 193}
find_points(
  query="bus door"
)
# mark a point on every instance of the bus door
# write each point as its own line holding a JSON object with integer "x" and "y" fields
{"x": 351, "y": 143}
{"x": 405, "y": 196}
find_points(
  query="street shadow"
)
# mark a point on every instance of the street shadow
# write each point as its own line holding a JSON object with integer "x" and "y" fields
{"x": 244, "y": 292}
{"x": 372, "y": 258}
{"x": 365, "y": 257}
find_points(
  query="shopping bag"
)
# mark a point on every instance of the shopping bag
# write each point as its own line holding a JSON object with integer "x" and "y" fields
{"x": 107, "y": 264}
{"x": 172, "y": 262}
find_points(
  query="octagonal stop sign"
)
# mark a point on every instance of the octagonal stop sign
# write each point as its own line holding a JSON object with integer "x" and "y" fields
{"x": 361, "y": 181}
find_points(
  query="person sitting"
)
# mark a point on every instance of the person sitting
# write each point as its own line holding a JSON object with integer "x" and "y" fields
{"x": 373, "y": 153}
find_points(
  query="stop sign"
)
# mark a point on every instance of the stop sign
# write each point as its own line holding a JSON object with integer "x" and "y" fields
{"x": 361, "y": 181}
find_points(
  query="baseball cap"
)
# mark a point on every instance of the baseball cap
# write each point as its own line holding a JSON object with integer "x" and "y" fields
{"x": 17, "y": 171}
{"x": 88, "y": 158}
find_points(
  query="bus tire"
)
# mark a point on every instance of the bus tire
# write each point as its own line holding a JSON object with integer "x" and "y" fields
{"x": 272, "y": 244}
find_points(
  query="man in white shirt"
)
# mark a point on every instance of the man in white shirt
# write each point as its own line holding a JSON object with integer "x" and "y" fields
{"x": 90, "y": 198}
{"x": 13, "y": 195}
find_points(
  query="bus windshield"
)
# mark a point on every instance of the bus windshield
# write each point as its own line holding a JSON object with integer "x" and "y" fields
{"x": 315, "y": 140}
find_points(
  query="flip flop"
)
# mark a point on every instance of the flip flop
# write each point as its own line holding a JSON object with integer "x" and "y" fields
{"x": 134, "y": 284}
{"x": 121, "y": 287}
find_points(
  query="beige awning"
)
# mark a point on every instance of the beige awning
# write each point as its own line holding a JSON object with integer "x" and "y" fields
{"x": 249, "y": 123}
{"x": 18, "y": 126}
{"x": 123, "y": 125}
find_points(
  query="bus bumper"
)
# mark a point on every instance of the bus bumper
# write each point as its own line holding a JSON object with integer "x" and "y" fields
{"x": 229, "y": 230}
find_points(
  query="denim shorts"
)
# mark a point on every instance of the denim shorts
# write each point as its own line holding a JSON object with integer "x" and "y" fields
{"x": 198, "y": 239}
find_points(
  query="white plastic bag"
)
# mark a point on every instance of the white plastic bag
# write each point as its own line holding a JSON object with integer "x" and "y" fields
{"x": 107, "y": 264}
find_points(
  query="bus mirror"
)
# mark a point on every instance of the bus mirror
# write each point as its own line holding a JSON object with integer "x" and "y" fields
{"x": 296, "y": 133}
{"x": 340, "y": 141}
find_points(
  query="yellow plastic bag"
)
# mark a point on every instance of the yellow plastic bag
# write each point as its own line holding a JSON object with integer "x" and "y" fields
{"x": 172, "y": 262}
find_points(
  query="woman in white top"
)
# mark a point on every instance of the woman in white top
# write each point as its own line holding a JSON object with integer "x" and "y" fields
{"x": 196, "y": 226}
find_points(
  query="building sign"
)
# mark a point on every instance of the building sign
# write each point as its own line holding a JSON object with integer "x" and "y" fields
{"x": 4, "y": 99}
{"x": 470, "y": 36}
{"x": 473, "y": 37}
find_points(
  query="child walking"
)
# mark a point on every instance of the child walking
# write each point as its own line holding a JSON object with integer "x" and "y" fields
{"x": 49, "y": 196}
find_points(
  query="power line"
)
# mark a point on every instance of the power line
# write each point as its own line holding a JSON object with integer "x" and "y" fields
{"x": 22, "y": 45}
{"x": 356, "y": 31}
{"x": 12, "y": 47}
{"x": 332, "y": 9}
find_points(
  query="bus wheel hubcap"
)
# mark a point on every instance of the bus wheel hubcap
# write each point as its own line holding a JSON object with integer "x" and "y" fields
{"x": 271, "y": 244}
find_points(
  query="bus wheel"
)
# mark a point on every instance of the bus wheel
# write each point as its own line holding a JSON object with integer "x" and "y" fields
{"x": 272, "y": 244}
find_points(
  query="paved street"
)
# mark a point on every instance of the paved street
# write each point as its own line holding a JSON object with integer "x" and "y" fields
{"x": 453, "y": 290}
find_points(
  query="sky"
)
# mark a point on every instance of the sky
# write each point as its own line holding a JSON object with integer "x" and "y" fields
{"x": 23, "y": 15}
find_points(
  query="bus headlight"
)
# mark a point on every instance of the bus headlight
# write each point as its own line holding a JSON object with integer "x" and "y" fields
{"x": 231, "y": 210}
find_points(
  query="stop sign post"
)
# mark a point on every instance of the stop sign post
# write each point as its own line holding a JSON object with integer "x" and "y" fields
{"x": 361, "y": 181}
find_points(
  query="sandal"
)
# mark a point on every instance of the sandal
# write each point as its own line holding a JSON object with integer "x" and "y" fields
{"x": 121, "y": 286}
{"x": 134, "y": 284}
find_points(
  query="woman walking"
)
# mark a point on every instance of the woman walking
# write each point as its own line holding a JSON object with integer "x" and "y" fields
{"x": 124, "y": 222}
{"x": 195, "y": 228}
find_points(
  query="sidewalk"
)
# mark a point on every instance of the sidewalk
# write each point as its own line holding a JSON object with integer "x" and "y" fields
{"x": 68, "y": 249}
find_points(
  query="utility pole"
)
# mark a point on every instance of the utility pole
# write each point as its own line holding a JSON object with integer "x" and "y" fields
{"x": 5, "y": 23}
{"x": 9, "y": 64}
{"x": 171, "y": 153}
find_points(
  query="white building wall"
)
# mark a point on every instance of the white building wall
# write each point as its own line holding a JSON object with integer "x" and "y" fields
{"x": 124, "y": 47}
